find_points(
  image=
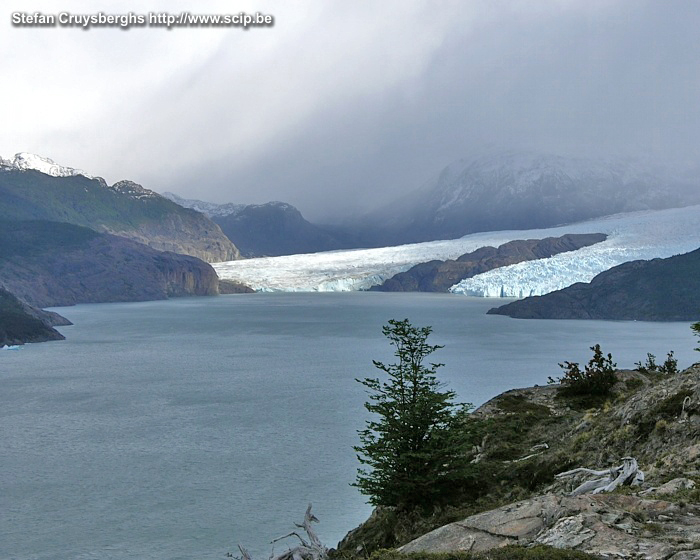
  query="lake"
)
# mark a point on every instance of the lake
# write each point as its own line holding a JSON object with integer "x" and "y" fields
{"x": 180, "y": 428}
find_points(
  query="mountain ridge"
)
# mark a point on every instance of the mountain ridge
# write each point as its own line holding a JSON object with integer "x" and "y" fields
{"x": 125, "y": 208}
{"x": 510, "y": 189}
{"x": 269, "y": 229}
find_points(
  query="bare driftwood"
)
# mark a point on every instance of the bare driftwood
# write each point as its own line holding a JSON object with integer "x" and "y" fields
{"x": 627, "y": 474}
{"x": 310, "y": 548}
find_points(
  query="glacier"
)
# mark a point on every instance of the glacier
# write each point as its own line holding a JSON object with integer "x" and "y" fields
{"x": 636, "y": 235}
{"x": 639, "y": 235}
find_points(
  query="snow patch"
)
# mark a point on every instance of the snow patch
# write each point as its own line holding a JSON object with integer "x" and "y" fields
{"x": 25, "y": 161}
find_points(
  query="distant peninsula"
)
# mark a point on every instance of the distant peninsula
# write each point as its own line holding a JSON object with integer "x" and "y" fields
{"x": 20, "y": 323}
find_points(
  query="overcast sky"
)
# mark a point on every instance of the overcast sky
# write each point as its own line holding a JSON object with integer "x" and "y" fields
{"x": 342, "y": 104}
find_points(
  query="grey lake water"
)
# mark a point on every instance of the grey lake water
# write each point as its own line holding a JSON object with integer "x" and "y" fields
{"x": 178, "y": 429}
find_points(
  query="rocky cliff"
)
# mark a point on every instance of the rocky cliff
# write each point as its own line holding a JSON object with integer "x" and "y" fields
{"x": 439, "y": 276}
{"x": 656, "y": 290}
{"x": 54, "y": 264}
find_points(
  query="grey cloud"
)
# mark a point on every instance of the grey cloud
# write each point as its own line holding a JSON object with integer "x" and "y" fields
{"x": 359, "y": 102}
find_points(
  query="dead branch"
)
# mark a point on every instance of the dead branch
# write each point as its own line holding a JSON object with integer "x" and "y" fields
{"x": 627, "y": 474}
{"x": 311, "y": 550}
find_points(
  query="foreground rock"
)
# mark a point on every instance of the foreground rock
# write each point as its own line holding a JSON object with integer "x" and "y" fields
{"x": 439, "y": 276}
{"x": 656, "y": 290}
{"x": 611, "y": 526}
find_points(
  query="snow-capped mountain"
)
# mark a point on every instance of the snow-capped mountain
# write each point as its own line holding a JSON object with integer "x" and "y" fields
{"x": 638, "y": 235}
{"x": 24, "y": 161}
{"x": 210, "y": 209}
{"x": 133, "y": 190}
{"x": 37, "y": 188}
{"x": 521, "y": 190}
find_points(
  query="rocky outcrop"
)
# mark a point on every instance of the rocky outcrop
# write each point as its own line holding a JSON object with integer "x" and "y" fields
{"x": 611, "y": 526}
{"x": 525, "y": 437}
{"x": 52, "y": 264}
{"x": 656, "y": 290}
{"x": 21, "y": 323}
{"x": 232, "y": 287}
{"x": 439, "y": 276}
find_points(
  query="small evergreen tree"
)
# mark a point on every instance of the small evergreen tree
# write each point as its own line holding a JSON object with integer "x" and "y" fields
{"x": 597, "y": 378}
{"x": 413, "y": 447}
{"x": 696, "y": 330}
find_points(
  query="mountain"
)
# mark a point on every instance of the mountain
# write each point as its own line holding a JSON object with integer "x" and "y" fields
{"x": 36, "y": 188}
{"x": 21, "y": 323}
{"x": 440, "y": 276}
{"x": 271, "y": 229}
{"x": 656, "y": 290}
{"x": 499, "y": 190}
{"x": 210, "y": 209}
{"x": 52, "y": 264}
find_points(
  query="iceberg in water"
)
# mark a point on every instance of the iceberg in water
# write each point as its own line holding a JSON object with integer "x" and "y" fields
{"x": 638, "y": 235}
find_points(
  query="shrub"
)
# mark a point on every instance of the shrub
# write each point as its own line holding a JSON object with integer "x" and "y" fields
{"x": 597, "y": 378}
{"x": 668, "y": 367}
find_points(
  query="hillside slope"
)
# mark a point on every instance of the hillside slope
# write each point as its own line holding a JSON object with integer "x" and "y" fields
{"x": 272, "y": 229}
{"x": 124, "y": 209}
{"x": 524, "y": 437}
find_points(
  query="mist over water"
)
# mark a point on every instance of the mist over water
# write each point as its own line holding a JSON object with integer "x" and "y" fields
{"x": 178, "y": 429}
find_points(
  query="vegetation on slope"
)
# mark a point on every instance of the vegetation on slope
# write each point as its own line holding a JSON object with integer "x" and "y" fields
{"x": 521, "y": 439}
{"x": 125, "y": 209}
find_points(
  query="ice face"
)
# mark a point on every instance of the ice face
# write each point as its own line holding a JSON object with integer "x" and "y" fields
{"x": 638, "y": 235}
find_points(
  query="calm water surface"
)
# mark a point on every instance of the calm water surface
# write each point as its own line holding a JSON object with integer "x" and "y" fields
{"x": 178, "y": 429}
